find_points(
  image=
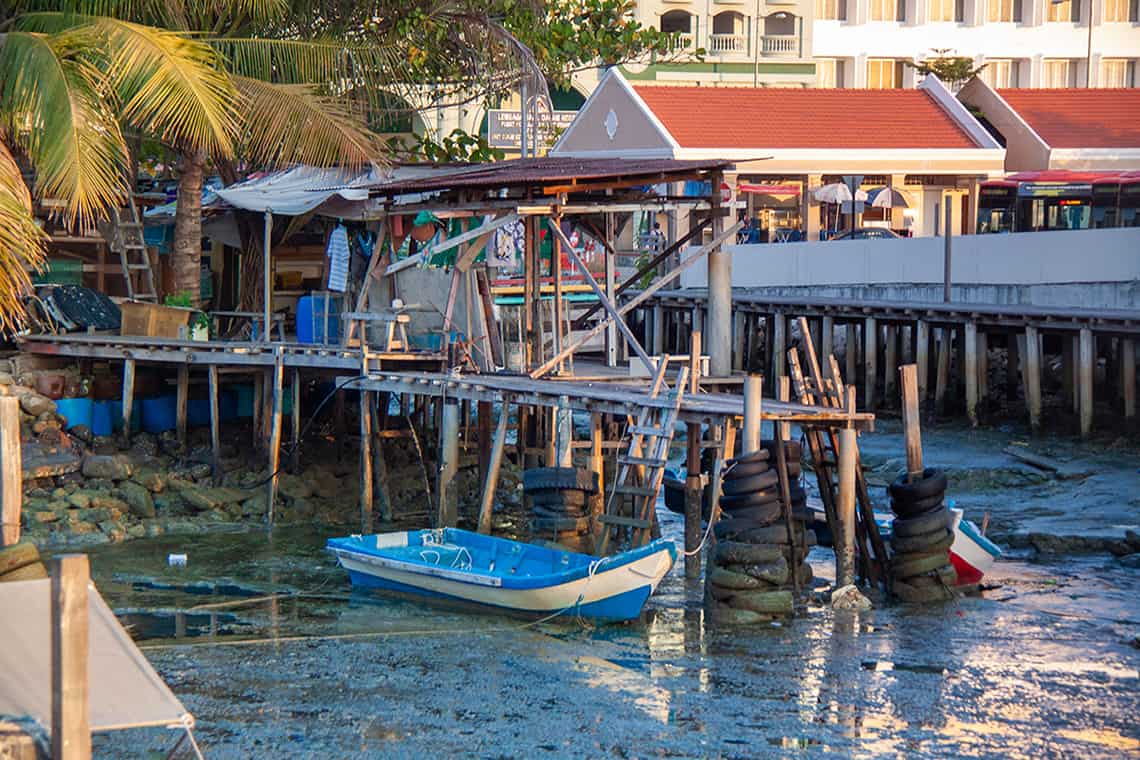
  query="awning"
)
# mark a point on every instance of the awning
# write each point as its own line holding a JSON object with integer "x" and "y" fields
{"x": 777, "y": 190}
{"x": 302, "y": 189}
{"x": 124, "y": 690}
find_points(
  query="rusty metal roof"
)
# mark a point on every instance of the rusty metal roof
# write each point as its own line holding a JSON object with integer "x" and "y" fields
{"x": 547, "y": 171}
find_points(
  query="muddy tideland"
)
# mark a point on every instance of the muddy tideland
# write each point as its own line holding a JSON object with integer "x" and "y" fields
{"x": 262, "y": 639}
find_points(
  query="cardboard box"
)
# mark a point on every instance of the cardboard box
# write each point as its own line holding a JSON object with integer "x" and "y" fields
{"x": 155, "y": 321}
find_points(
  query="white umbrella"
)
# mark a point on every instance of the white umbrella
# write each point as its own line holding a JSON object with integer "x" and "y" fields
{"x": 837, "y": 192}
{"x": 887, "y": 197}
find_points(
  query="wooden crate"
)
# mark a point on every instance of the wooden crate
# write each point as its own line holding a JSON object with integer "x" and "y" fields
{"x": 153, "y": 320}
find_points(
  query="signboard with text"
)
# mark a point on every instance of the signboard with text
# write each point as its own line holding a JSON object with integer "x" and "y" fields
{"x": 504, "y": 128}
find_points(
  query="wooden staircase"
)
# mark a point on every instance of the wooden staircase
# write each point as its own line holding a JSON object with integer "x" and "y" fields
{"x": 642, "y": 468}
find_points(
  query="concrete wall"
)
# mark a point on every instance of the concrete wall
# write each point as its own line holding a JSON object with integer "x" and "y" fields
{"x": 1023, "y": 260}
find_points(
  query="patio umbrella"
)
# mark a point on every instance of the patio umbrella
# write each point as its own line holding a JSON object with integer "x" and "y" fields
{"x": 887, "y": 197}
{"x": 837, "y": 192}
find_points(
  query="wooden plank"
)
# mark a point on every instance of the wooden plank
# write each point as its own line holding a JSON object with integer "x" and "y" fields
{"x": 908, "y": 382}
{"x": 482, "y": 231}
{"x": 70, "y": 706}
{"x": 215, "y": 425}
{"x": 128, "y": 396}
{"x": 11, "y": 471}
{"x": 890, "y": 361}
{"x": 278, "y": 394}
{"x": 181, "y": 401}
{"x": 942, "y": 376}
{"x": 494, "y": 463}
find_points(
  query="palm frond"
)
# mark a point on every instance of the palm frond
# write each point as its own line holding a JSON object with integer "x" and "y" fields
{"x": 170, "y": 86}
{"x": 61, "y": 118}
{"x": 287, "y": 124}
{"x": 326, "y": 62}
{"x": 22, "y": 242}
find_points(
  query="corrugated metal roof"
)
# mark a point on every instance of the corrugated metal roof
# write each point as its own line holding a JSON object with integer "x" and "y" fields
{"x": 546, "y": 170}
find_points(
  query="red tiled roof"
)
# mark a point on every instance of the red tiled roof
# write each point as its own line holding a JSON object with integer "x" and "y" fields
{"x": 1073, "y": 118}
{"x": 771, "y": 118}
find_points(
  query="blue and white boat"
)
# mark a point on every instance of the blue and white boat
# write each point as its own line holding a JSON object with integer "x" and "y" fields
{"x": 510, "y": 576}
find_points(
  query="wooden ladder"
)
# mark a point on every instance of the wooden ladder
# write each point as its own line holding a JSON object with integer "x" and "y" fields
{"x": 126, "y": 239}
{"x": 642, "y": 468}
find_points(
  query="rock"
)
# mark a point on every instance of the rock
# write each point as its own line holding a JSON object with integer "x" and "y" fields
{"x": 138, "y": 530}
{"x": 293, "y": 487}
{"x": 1120, "y": 548}
{"x": 114, "y": 530}
{"x": 138, "y": 499}
{"x": 114, "y": 467}
{"x": 83, "y": 433}
{"x": 721, "y": 614}
{"x": 764, "y": 602}
{"x": 1132, "y": 561}
{"x": 774, "y": 572}
{"x": 59, "y": 493}
{"x": 32, "y": 402}
{"x": 1133, "y": 539}
{"x": 731, "y": 580}
{"x": 254, "y": 506}
{"x": 79, "y": 499}
{"x": 849, "y": 598}
{"x": 109, "y": 503}
{"x": 144, "y": 445}
{"x": 151, "y": 480}
{"x": 80, "y": 527}
{"x": 198, "y": 498}
{"x": 45, "y": 517}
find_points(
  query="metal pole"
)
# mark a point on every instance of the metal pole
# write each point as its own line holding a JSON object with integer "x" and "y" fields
{"x": 947, "y": 214}
{"x": 267, "y": 277}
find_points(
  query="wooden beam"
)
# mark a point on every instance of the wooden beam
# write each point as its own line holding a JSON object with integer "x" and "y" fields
{"x": 181, "y": 400}
{"x": 494, "y": 463}
{"x": 870, "y": 362}
{"x": 277, "y": 400}
{"x": 70, "y": 649}
{"x": 908, "y": 381}
{"x": 11, "y": 471}
{"x": 215, "y": 425}
{"x": 128, "y": 396}
{"x": 481, "y": 231}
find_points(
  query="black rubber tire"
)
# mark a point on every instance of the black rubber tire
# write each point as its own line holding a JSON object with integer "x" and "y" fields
{"x": 911, "y": 594}
{"x": 760, "y": 455}
{"x": 553, "y": 511}
{"x": 560, "y": 524}
{"x": 908, "y": 565}
{"x": 747, "y": 469}
{"x": 760, "y": 482}
{"x": 916, "y": 526}
{"x": 17, "y": 556}
{"x": 559, "y": 479}
{"x": 764, "y": 515}
{"x": 792, "y": 450}
{"x": 935, "y": 540}
{"x": 933, "y": 483}
{"x": 915, "y": 508}
{"x": 745, "y": 500}
{"x": 566, "y": 498}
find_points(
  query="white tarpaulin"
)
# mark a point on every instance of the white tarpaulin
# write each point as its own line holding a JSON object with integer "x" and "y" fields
{"x": 302, "y": 189}
{"x": 124, "y": 692}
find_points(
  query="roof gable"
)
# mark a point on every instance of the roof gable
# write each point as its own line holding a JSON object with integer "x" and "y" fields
{"x": 615, "y": 122}
{"x": 1080, "y": 118}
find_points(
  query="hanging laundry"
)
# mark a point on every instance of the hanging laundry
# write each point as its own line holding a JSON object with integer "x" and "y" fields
{"x": 338, "y": 259}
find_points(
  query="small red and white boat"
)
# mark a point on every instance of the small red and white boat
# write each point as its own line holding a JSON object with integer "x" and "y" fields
{"x": 972, "y": 554}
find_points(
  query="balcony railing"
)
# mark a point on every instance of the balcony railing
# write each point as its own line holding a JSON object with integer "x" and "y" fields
{"x": 682, "y": 41}
{"x": 730, "y": 44}
{"x": 779, "y": 45}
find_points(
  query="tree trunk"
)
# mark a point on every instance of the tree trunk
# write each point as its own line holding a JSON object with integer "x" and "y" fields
{"x": 186, "y": 255}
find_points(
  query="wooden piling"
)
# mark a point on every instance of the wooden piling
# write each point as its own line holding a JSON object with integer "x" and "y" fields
{"x": 491, "y": 474}
{"x": 70, "y": 708}
{"x": 779, "y": 345}
{"x": 366, "y": 477}
{"x": 852, "y": 354}
{"x": 750, "y": 440}
{"x": 1128, "y": 376}
{"x": 295, "y": 422}
{"x": 908, "y": 375}
{"x": 1013, "y": 364}
{"x": 784, "y": 393}
{"x": 890, "y": 362}
{"x": 381, "y": 491}
{"x": 922, "y": 357}
{"x": 657, "y": 345}
{"x": 983, "y": 350}
{"x": 1033, "y": 376}
{"x": 182, "y": 399}
{"x": 215, "y": 425}
{"x": 693, "y": 485}
{"x": 845, "y": 542}
{"x": 258, "y": 409}
{"x": 827, "y": 339}
{"x": 128, "y": 396}
{"x": 564, "y": 433}
{"x": 870, "y": 361}
{"x": 11, "y": 471}
{"x": 278, "y": 397}
{"x": 448, "y": 509}
{"x": 1069, "y": 371}
{"x": 739, "y": 319}
{"x": 971, "y": 372}
{"x": 1088, "y": 365}
{"x": 942, "y": 376}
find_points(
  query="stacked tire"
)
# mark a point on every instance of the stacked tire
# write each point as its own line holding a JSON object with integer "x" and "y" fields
{"x": 21, "y": 562}
{"x": 921, "y": 536}
{"x": 750, "y": 575}
{"x": 560, "y": 505}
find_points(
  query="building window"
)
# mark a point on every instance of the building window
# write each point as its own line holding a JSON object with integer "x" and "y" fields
{"x": 1117, "y": 10}
{"x": 1004, "y": 10}
{"x": 946, "y": 10}
{"x": 884, "y": 73}
{"x": 828, "y": 72}
{"x": 1117, "y": 72}
{"x": 1058, "y": 72}
{"x": 888, "y": 10}
{"x": 831, "y": 10}
{"x": 1066, "y": 10}
{"x": 1000, "y": 73}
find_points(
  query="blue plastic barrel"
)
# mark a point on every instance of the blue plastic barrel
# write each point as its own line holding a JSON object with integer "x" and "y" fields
{"x": 198, "y": 412}
{"x": 117, "y": 416}
{"x": 228, "y": 405}
{"x": 159, "y": 413}
{"x": 77, "y": 411}
{"x": 310, "y": 326}
{"x": 243, "y": 396}
{"x": 102, "y": 418}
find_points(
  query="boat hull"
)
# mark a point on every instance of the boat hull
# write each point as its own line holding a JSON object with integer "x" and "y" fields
{"x": 972, "y": 554}
{"x": 613, "y": 588}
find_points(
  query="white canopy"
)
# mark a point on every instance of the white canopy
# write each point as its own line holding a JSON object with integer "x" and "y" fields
{"x": 124, "y": 692}
{"x": 299, "y": 190}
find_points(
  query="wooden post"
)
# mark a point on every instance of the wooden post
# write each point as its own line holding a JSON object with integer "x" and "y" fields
{"x": 942, "y": 376}
{"x": 181, "y": 400}
{"x": 922, "y": 356}
{"x": 278, "y": 391}
{"x": 381, "y": 491}
{"x": 448, "y": 513}
{"x": 852, "y": 354}
{"x": 597, "y": 501}
{"x": 1088, "y": 365}
{"x": 779, "y": 343}
{"x": 784, "y": 393}
{"x": 827, "y": 337}
{"x": 494, "y": 461}
{"x": 564, "y": 433}
{"x": 750, "y": 440}
{"x": 1128, "y": 376}
{"x": 890, "y": 362}
{"x": 693, "y": 485}
{"x": 870, "y": 361}
{"x": 845, "y": 544}
{"x": 70, "y": 709}
{"x": 11, "y": 471}
{"x": 910, "y": 416}
{"x": 658, "y": 343}
{"x": 971, "y": 372}
{"x": 295, "y": 421}
{"x": 738, "y": 335}
{"x": 983, "y": 350}
{"x": 1013, "y": 364}
{"x": 128, "y": 396}
{"x": 215, "y": 425}
{"x": 1033, "y": 376}
{"x": 258, "y": 409}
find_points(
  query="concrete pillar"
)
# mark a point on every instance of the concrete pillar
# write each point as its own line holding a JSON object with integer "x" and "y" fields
{"x": 971, "y": 372}
{"x": 870, "y": 361}
{"x": 718, "y": 334}
{"x": 1088, "y": 366}
{"x": 750, "y": 436}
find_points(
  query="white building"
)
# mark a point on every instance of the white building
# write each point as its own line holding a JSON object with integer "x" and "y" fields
{"x": 1024, "y": 43}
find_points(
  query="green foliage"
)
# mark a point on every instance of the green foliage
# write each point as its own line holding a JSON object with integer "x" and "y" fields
{"x": 953, "y": 70}
{"x": 458, "y": 147}
{"x": 184, "y": 300}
